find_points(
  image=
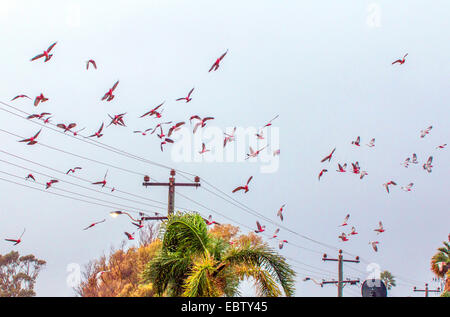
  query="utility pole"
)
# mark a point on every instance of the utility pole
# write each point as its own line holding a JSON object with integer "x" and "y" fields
{"x": 340, "y": 283}
{"x": 427, "y": 290}
{"x": 171, "y": 184}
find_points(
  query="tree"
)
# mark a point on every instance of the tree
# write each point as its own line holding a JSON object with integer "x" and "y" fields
{"x": 388, "y": 279}
{"x": 195, "y": 262}
{"x": 119, "y": 274}
{"x": 18, "y": 274}
{"x": 440, "y": 264}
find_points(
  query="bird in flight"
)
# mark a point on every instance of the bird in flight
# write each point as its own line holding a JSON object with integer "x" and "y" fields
{"x": 441, "y": 146}
{"x": 260, "y": 228}
{"x": 386, "y": 185}
{"x": 72, "y": 170}
{"x": 20, "y": 96}
{"x": 98, "y": 134}
{"x": 91, "y": 61}
{"x": 414, "y": 159}
{"x": 188, "y": 98}
{"x": 31, "y": 140}
{"x": 38, "y": 116}
{"x": 66, "y": 128}
{"x": 341, "y": 168}
{"x": 254, "y": 153}
{"x": 380, "y": 228}
{"x": 202, "y": 122}
{"x": 109, "y": 94}
{"x": 281, "y": 244}
{"x": 40, "y": 98}
{"x": 353, "y": 232}
{"x": 143, "y": 132}
{"x": 328, "y": 157}
{"x": 268, "y": 124}
{"x": 117, "y": 119}
{"x": 408, "y": 187}
{"x": 426, "y": 131}
{"x": 30, "y": 176}
{"x": 50, "y": 183}
{"x": 276, "y": 152}
{"x": 209, "y": 221}
{"x": 16, "y": 241}
{"x": 374, "y": 245}
{"x": 229, "y": 137}
{"x": 165, "y": 141}
{"x": 75, "y": 133}
{"x": 152, "y": 111}
{"x": 371, "y": 143}
{"x": 363, "y": 173}
{"x": 427, "y": 166}
{"x": 400, "y": 61}
{"x": 355, "y": 168}
{"x": 357, "y": 141}
{"x": 343, "y": 237}
{"x": 322, "y": 172}
{"x": 280, "y": 212}
{"x": 174, "y": 128}
{"x": 216, "y": 64}
{"x": 93, "y": 224}
{"x": 245, "y": 187}
{"x": 275, "y": 234}
{"x": 204, "y": 150}
{"x": 103, "y": 182}
{"x": 46, "y": 53}
{"x": 129, "y": 236}
{"x": 344, "y": 223}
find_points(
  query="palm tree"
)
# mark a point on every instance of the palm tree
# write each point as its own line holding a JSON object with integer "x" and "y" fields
{"x": 388, "y": 279}
{"x": 440, "y": 264}
{"x": 194, "y": 263}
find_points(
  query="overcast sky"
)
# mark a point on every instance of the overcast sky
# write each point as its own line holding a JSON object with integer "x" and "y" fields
{"x": 323, "y": 66}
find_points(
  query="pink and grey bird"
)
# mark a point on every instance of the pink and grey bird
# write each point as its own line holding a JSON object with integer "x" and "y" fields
{"x": 109, "y": 94}
{"x": 93, "y": 224}
{"x": 188, "y": 97}
{"x": 245, "y": 187}
{"x": 45, "y": 54}
{"x": 32, "y": 140}
{"x": 216, "y": 64}
{"x": 16, "y": 241}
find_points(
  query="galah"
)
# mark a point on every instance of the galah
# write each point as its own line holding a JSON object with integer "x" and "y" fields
{"x": 32, "y": 140}
{"x": 281, "y": 244}
{"x": 129, "y": 236}
{"x": 69, "y": 127}
{"x": 159, "y": 125}
{"x": 174, "y": 128}
{"x": 46, "y": 53}
{"x": 204, "y": 150}
{"x": 38, "y": 116}
{"x": 344, "y": 223}
{"x": 209, "y": 221}
{"x": 275, "y": 234}
{"x": 341, "y": 168}
{"x": 152, "y": 111}
{"x": 143, "y": 132}
{"x": 16, "y": 241}
{"x": 363, "y": 173}
{"x": 408, "y": 187}
{"x": 93, "y": 224}
{"x": 202, "y": 122}
{"x": 353, "y": 232}
{"x": 254, "y": 153}
{"x": 357, "y": 141}
{"x": 260, "y": 228}
{"x": 229, "y": 137}
{"x": 117, "y": 119}
{"x": 139, "y": 225}
{"x": 371, "y": 143}
{"x": 245, "y": 187}
{"x": 374, "y": 245}
{"x": 72, "y": 170}
{"x": 109, "y": 94}
{"x": 328, "y": 157}
{"x": 386, "y": 185}
{"x": 103, "y": 182}
{"x": 40, "y": 98}
{"x": 260, "y": 135}
{"x": 355, "y": 168}
{"x": 322, "y": 172}
{"x": 426, "y": 131}
{"x": 400, "y": 61}
{"x": 75, "y": 133}
{"x": 380, "y": 228}
{"x": 268, "y": 124}
{"x": 441, "y": 146}
{"x": 20, "y": 96}
{"x": 414, "y": 159}
{"x": 30, "y": 176}
{"x": 406, "y": 162}
{"x": 276, "y": 152}
{"x": 98, "y": 134}
{"x": 280, "y": 212}
{"x": 166, "y": 140}
{"x": 188, "y": 98}
{"x": 91, "y": 61}
{"x": 47, "y": 120}
{"x": 216, "y": 64}
{"x": 343, "y": 237}
{"x": 50, "y": 183}
{"x": 427, "y": 166}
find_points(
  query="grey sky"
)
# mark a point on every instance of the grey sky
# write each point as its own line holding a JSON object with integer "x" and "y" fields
{"x": 318, "y": 64}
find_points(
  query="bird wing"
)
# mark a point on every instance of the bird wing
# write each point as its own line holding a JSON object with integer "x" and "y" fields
{"x": 51, "y": 47}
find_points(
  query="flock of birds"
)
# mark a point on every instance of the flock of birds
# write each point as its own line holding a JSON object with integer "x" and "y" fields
{"x": 200, "y": 122}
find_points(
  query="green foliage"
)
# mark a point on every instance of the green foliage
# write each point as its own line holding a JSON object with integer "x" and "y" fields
{"x": 388, "y": 279}
{"x": 18, "y": 274}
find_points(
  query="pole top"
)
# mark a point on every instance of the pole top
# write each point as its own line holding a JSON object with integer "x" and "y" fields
{"x": 172, "y": 173}
{"x": 340, "y": 251}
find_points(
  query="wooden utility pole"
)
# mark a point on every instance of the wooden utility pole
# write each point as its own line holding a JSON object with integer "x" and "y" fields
{"x": 427, "y": 290}
{"x": 340, "y": 283}
{"x": 171, "y": 184}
